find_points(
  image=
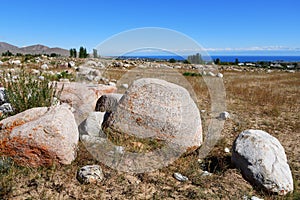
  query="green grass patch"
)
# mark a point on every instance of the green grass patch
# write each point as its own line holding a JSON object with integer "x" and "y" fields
{"x": 24, "y": 91}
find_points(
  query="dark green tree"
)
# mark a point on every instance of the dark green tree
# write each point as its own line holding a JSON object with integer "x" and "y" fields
{"x": 82, "y": 53}
{"x": 172, "y": 60}
{"x": 217, "y": 61}
{"x": 236, "y": 61}
{"x": 95, "y": 53}
{"x": 7, "y": 53}
{"x": 73, "y": 53}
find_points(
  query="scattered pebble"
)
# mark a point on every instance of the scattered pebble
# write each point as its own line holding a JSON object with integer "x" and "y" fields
{"x": 206, "y": 173}
{"x": 227, "y": 150}
{"x": 90, "y": 174}
{"x": 125, "y": 85}
{"x": 180, "y": 177}
{"x": 224, "y": 115}
{"x": 220, "y": 75}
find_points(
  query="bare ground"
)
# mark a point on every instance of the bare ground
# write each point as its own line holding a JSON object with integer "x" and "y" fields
{"x": 255, "y": 100}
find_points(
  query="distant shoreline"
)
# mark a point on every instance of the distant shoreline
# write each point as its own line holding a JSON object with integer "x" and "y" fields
{"x": 223, "y": 58}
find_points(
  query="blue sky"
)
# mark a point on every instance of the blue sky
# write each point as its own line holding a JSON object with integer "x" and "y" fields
{"x": 220, "y": 26}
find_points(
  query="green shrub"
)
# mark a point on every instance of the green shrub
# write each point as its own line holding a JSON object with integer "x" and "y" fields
{"x": 26, "y": 91}
{"x": 191, "y": 74}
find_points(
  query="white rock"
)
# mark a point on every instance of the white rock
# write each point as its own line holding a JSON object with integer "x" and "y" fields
{"x": 226, "y": 150}
{"x": 1, "y": 63}
{"x": 71, "y": 64}
{"x": 125, "y": 86}
{"x": 35, "y": 71}
{"x": 180, "y": 177}
{"x": 262, "y": 161}
{"x": 44, "y": 67}
{"x": 206, "y": 173}
{"x": 256, "y": 198}
{"x": 16, "y": 62}
{"x": 211, "y": 74}
{"x": 177, "y": 67}
{"x": 90, "y": 174}
{"x": 65, "y": 80}
{"x": 41, "y": 78}
{"x": 220, "y": 75}
{"x": 112, "y": 84}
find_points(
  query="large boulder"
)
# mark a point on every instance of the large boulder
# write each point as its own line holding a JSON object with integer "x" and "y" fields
{"x": 83, "y": 97}
{"x": 262, "y": 161}
{"x": 158, "y": 109}
{"x": 40, "y": 136}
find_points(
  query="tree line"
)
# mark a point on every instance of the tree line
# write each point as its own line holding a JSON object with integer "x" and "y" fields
{"x": 82, "y": 53}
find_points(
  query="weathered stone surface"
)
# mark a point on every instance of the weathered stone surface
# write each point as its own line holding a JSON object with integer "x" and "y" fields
{"x": 180, "y": 177}
{"x": 83, "y": 97}
{"x": 108, "y": 102}
{"x": 158, "y": 109}
{"x": 91, "y": 126}
{"x": 262, "y": 161}
{"x": 40, "y": 136}
{"x": 90, "y": 174}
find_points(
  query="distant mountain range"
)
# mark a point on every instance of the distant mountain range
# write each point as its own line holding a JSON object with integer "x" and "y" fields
{"x": 33, "y": 49}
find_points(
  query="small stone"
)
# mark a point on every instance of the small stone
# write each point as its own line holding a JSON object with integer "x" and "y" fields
{"x": 44, "y": 67}
{"x": 90, "y": 174}
{"x": 6, "y": 108}
{"x": 220, "y": 75}
{"x": 227, "y": 150}
{"x": 224, "y": 115}
{"x": 206, "y": 173}
{"x": 202, "y": 111}
{"x": 125, "y": 86}
{"x": 211, "y": 74}
{"x": 256, "y": 198}
{"x": 180, "y": 177}
{"x": 112, "y": 84}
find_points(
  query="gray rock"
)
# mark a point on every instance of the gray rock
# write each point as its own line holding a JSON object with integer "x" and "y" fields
{"x": 180, "y": 177}
{"x": 6, "y": 108}
{"x": 224, "y": 115}
{"x": 108, "y": 102}
{"x": 90, "y": 174}
{"x": 2, "y": 95}
{"x": 92, "y": 125}
{"x": 1, "y": 63}
{"x": 158, "y": 109}
{"x": 262, "y": 161}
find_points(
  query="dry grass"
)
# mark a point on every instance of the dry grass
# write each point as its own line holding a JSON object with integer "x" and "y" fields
{"x": 255, "y": 100}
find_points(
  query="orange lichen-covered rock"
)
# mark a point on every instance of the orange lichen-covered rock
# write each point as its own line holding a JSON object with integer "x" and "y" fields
{"x": 40, "y": 136}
